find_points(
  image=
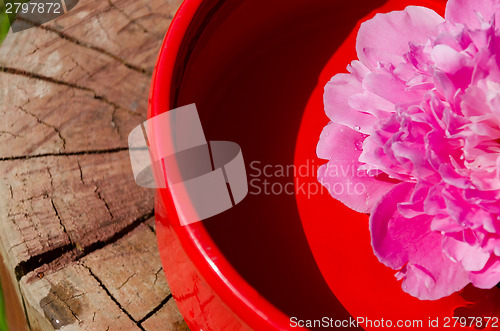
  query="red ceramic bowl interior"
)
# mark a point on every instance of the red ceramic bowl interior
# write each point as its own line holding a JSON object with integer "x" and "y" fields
{"x": 256, "y": 71}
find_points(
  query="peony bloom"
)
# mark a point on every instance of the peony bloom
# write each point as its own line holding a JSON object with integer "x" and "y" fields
{"x": 418, "y": 117}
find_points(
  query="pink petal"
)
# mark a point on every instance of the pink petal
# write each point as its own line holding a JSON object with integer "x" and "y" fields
{"x": 353, "y": 187}
{"x": 489, "y": 276}
{"x": 358, "y": 70}
{"x": 447, "y": 59}
{"x": 472, "y": 258}
{"x": 410, "y": 244}
{"x": 372, "y": 104}
{"x": 434, "y": 203}
{"x": 390, "y": 88}
{"x": 386, "y": 37}
{"x": 445, "y": 224}
{"x": 466, "y": 11}
{"x": 336, "y": 99}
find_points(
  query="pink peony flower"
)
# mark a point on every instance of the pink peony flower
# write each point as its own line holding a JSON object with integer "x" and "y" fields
{"x": 418, "y": 116}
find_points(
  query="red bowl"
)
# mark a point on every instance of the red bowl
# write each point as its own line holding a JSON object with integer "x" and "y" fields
{"x": 256, "y": 70}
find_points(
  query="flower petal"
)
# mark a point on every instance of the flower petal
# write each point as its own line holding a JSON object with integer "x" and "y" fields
{"x": 390, "y": 88}
{"x": 386, "y": 37}
{"x": 488, "y": 277}
{"x": 400, "y": 242}
{"x": 473, "y": 258}
{"x": 466, "y": 12}
{"x": 353, "y": 187}
{"x": 336, "y": 99}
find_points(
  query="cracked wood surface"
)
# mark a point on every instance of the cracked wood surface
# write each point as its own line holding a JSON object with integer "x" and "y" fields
{"x": 76, "y": 233}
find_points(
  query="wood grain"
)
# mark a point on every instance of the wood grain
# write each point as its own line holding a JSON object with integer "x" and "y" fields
{"x": 76, "y": 232}
{"x": 136, "y": 280}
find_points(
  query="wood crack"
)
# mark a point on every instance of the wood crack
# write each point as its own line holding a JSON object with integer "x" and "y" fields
{"x": 112, "y": 297}
{"x": 43, "y": 195}
{"x": 156, "y": 275}
{"x": 39, "y": 120}
{"x": 65, "y": 301}
{"x": 99, "y": 195}
{"x": 151, "y": 227}
{"x": 51, "y": 178}
{"x": 33, "y": 75}
{"x": 61, "y": 222}
{"x": 11, "y": 134}
{"x": 79, "y": 66}
{"x": 155, "y": 310}
{"x": 72, "y": 312}
{"x": 89, "y": 46}
{"x": 131, "y": 20}
{"x": 117, "y": 236}
{"x": 126, "y": 281}
{"x": 81, "y": 172}
{"x": 16, "y": 245}
{"x": 87, "y": 152}
{"x": 34, "y": 262}
{"x": 25, "y": 267}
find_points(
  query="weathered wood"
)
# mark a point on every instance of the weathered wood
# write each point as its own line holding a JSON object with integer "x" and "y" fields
{"x": 67, "y": 202}
{"x": 126, "y": 276}
{"x": 136, "y": 280}
{"x": 75, "y": 230}
{"x": 167, "y": 318}
{"x": 73, "y": 298}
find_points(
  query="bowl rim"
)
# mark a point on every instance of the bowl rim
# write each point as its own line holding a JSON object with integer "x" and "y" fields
{"x": 247, "y": 304}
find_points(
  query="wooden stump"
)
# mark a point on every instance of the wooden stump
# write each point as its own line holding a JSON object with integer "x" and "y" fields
{"x": 77, "y": 235}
